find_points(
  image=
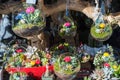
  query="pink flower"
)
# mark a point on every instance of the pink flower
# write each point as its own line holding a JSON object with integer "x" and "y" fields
{"x": 19, "y": 50}
{"x": 67, "y": 24}
{"x": 37, "y": 61}
{"x": 48, "y": 55}
{"x": 67, "y": 59}
{"x": 106, "y": 64}
{"x": 30, "y": 9}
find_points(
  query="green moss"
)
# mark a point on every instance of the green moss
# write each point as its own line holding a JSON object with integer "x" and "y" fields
{"x": 25, "y": 26}
{"x": 58, "y": 68}
{"x": 100, "y": 35}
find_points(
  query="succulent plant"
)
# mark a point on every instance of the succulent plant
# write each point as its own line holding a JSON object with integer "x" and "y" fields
{"x": 98, "y": 74}
{"x": 98, "y": 61}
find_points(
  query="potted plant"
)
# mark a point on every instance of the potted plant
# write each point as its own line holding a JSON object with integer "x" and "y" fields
{"x": 28, "y": 22}
{"x": 101, "y": 31}
{"x": 109, "y": 71}
{"x": 66, "y": 66}
{"x": 29, "y": 61}
{"x": 45, "y": 57}
{"x": 18, "y": 76}
{"x": 62, "y": 48}
{"x": 106, "y": 67}
{"x": 116, "y": 72}
{"x": 68, "y": 28}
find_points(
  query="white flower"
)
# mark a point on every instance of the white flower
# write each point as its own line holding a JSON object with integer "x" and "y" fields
{"x": 22, "y": 21}
{"x": 30, "y": 51}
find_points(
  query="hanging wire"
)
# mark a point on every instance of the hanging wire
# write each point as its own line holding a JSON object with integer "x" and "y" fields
{"x": 1, "y": 25}
{"x": 12, "y": 19}
{"x": 67, "y": 6}
{"x": 103, "y": 7}
{"x": 109, "y": 4}
{"x": 97, "y": 4}
{"x": 99, "y": 12}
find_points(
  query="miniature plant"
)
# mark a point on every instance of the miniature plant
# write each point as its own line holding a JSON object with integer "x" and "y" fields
{"x": 18, "y": 76}
{"x": 68, "y": 28}
{"x": 31, "y": 17}
{"x": 62, "y": 48}
{"x": 98, "y": 74}
{"x": 66, "y": 64}
{"x": 87, "y": 78}
{"x": 101, "y": 31}
{"x": 106, "y": 64}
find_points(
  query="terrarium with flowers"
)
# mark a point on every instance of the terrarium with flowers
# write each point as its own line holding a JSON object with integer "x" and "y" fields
{"x": 101, "y": 31}
{"x": 66, "y": 66}
{"x": 21, "y": 58}
{"x": 106, "y": 67}
{"x": 62, "y": 48}
{"x": 103, "y": 57}
{"x": 31, "y": 61}
{"x": 26, "y": 20}
{"x": 68, "y": 28}
{"x": 108, "y": 71}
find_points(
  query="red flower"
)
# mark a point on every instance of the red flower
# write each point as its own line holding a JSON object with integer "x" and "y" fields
{"x": 67, "y": 59}
{"x": 19, "y": 50}
{"x": 60, "y": 47}
{"x": 106, "y": 64}
{"x": 37, "y": 61}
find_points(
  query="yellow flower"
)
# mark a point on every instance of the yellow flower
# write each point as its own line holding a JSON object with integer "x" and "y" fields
{"x": 106, "y": 54}
{"x": 69, "y": 67}
{"x": 115, "y": 67}
{"x": 102, "y": 25}
{"x": 32, "y": 63}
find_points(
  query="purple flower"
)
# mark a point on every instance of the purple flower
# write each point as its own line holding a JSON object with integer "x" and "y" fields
{"x": 30, "y": 9}
{"x": 67, "y": 24}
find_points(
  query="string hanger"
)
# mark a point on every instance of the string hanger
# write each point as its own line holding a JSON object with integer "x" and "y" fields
{"x": 67, "y": 7}
{"x": 100, "y": 5}
{"x": 99, "y": 11}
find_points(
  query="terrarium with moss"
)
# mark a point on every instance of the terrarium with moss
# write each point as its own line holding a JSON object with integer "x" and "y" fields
{"x": 101, "y": 31}
{"x": 28, "y": 20}
{"x": 68, "y": 28}
{"x": 66, "y": 66}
